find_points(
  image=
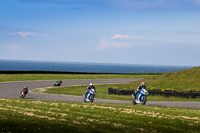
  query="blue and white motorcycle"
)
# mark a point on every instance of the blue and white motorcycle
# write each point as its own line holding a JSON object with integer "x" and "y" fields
{"x": 89, "y": 97}
{"x": 141, "y": 97}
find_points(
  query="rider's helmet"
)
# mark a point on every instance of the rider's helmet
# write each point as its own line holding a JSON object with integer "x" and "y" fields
{"x": 91, "y": 84}
{"x": 25, "y": 87}
{"x": 142, "y": 84}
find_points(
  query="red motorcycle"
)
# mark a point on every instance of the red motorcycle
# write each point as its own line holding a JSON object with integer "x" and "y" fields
{"x": 23, "y": 92}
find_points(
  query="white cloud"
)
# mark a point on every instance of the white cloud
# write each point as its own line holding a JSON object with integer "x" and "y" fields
{"x": 119, "y": 36}
{"x": 110, "y": 44}
{"x": 24, "y": 33}
{"x": 117, "y": 41}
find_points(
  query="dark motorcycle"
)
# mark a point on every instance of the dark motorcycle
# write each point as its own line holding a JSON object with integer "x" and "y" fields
{"x": 58, "y": 83}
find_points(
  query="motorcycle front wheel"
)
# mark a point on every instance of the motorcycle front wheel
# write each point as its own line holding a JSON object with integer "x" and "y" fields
{"x": 91, "y": 98}
{"x": 22, "y": 96}
{"x": 143, "y": 100}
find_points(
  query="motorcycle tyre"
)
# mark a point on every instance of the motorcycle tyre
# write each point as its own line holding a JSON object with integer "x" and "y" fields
{"x": 84, "y": 98}
{"x": 91, "y": 98}
{"x": 56, "y": 84}
{"x": 133, "y": 101}
{"x": 22, "y": 96}
{"x": 143, "y": 101}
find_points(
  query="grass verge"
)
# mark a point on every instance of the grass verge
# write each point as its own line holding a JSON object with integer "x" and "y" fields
{"x": 22, "y": 115}
{"x": 26, "y": 77}
{"x": 102, "y": 92}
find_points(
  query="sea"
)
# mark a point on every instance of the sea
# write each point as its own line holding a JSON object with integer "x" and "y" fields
{"x": 21, "y": 65}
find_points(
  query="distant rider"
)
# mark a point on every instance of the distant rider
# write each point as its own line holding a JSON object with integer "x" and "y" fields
{"x": 25, "y": 89}
{"x": 59, "y": 81}
{"x": 91, "y": 86}
{"x": 139, "y": 88}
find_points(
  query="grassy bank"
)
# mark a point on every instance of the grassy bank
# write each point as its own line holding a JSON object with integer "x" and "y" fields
{"x": 184, "y": 80}
{"x": 102, "y": 92}
{"x": 18, "y": 115}
{"x": 27, "y": 77}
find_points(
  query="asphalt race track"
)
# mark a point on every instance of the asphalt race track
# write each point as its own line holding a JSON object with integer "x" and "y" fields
{"x": 12, "y": 90}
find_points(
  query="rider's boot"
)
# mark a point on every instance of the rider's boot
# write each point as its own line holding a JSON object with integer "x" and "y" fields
{"x": 137, "y": 101}
{"x": 87, "y": 100}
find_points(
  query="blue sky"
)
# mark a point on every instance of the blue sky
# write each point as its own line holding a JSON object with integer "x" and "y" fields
{"x": 159, "y": 32}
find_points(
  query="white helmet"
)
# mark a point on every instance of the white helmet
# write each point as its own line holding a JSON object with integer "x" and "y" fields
{"x": 142, "y": 84}
{"x": 91, "y": 84}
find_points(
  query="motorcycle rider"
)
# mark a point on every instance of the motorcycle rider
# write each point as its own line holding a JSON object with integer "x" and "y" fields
{"x": 91, "y": 86}
{"x": 25, "y": 89}
{"x": 139, "y": 88}
{"x": 59, "y": 82}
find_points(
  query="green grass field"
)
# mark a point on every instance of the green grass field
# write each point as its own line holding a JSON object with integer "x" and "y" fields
{"x": 22, "y": 115}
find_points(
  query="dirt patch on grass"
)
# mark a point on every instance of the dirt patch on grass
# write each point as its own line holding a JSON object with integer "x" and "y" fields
{"x": 55, "y": 109}
{"x": 141, "y": 129}
{"x": 3, "y": 108}
{"x": 80, "y": 118}
{"x": 103, "y": 107}
{"x": 3, "y": 99}
{"x": 80, "y": 123}
{"x": 38, "y": 102}
{"x": 54, "y": 104}
{"x": 118, "y": 125}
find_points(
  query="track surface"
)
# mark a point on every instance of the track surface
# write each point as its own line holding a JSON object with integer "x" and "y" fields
{"x": 12, "y": 90}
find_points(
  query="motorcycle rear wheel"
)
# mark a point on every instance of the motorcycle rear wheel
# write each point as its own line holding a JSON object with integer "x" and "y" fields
{"x": 133, "y": 101}
{"x": 84, "y": 98}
